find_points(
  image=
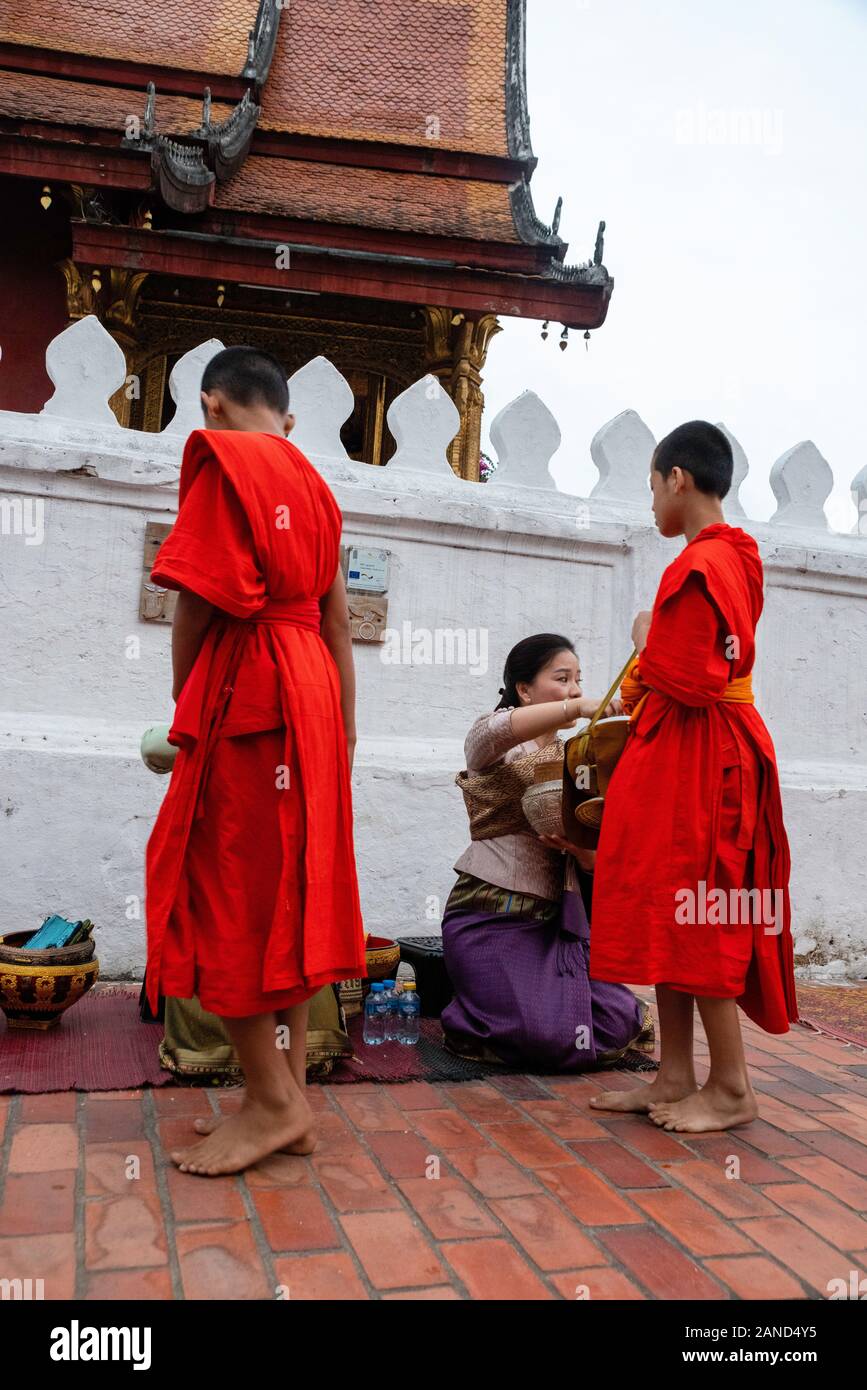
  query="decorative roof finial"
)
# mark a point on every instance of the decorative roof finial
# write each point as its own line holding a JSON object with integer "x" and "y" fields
{"x": 150, "y": 110}
{"x": 206, "y": 110}
{"x": 600, "y": 242}
{"x": 555, "y": 225}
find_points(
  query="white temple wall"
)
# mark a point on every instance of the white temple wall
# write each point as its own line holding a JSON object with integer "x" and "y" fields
{"x": 82, "y": 676}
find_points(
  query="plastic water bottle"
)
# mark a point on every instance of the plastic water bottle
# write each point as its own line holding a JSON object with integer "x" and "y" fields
{"x": 375, "y": 1016}
{"x": 392, "y": 1024}
{"x": 410, "y": 1015}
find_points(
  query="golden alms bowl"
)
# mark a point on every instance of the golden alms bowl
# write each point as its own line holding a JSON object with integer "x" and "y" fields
{"x": 37, "y": 987}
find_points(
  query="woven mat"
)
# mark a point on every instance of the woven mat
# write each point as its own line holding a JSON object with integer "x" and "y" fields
{"x": 838, "y": 1010}
{"x": 102, "y": 1045}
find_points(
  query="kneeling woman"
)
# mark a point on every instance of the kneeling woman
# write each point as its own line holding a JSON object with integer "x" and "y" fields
{"x": 516, "y": 938}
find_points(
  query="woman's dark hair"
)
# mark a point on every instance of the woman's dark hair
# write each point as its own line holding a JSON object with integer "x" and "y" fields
{"x": 526, "y": 660}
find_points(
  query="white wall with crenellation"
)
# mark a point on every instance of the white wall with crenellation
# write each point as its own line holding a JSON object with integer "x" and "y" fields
{"x": 503, "y": 559}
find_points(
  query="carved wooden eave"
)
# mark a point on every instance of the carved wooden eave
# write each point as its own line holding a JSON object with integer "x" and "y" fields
{"x": 183, "y": 178}
{"x": 530, "y": 229}
{"x": 229, "y": 140}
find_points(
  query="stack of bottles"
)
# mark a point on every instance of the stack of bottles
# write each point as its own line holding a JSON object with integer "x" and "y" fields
{"x": 392, "y": 1012}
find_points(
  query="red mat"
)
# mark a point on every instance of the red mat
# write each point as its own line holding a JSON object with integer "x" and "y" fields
{"x": 101, "y": 1044}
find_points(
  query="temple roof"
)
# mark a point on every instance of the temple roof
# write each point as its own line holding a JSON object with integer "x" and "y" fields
{"x": 374, "y": 128}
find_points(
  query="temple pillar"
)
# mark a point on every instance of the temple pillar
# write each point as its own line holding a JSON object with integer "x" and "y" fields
{"x": 456, "y": 351}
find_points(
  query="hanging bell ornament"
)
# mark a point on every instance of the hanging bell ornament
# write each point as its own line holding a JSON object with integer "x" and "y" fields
{"x": 148, "y": 220}
{"x": 564, "y": 340}
{"x": 221, "y": 295}
{"x": 45, "y": 200}
{"x": 587, "y": 339}
{"x": 545, "y": 331}
{"x": 96, "y": 281}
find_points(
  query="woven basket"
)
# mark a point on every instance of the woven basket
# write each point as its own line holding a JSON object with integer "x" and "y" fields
{"x": 542, "y": 805}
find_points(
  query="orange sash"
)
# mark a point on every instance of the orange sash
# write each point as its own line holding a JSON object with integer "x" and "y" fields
{"x": 633, "y": 691}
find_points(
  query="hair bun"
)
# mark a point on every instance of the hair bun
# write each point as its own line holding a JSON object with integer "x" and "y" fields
{"x": 502, "y": 690}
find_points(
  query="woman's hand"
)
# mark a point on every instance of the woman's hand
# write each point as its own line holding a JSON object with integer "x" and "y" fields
{"x": 640, "y": 629}
{"x": 587, "y": 707}
{"x": 585, "y": 857}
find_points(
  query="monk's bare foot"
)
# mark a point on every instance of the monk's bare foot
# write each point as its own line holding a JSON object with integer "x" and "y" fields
{"x": 711, "y": 1108}
{"x": 639, "y": 1101}
{"x": 304, "y": 1145}
{"x": 243, "y": 1139}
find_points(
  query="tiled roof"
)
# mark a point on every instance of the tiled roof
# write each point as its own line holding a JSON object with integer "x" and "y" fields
{"x": 58, "y": 102}
{"x": 387, "y": 70}
{"x": 371, "y": 198}
{"x": 210, "y": 38}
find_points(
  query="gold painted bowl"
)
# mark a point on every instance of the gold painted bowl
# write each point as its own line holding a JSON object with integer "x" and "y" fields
{"x": 37, "y": 994}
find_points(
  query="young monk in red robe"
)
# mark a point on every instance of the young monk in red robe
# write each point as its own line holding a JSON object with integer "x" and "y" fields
{"x": 693, "y": 821}
{"x": 252, "y": 898}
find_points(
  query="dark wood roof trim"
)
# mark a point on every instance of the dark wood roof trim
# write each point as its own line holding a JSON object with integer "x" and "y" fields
{"x": 517, "y": 115}
{"x": 261, "y": 44}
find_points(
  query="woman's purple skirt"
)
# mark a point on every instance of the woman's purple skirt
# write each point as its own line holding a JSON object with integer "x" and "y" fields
{"x": 523, "y": 989}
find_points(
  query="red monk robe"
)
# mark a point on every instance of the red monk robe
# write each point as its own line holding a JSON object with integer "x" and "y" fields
{"x": 695, "y": 798}
{"x": 252, "y": 897}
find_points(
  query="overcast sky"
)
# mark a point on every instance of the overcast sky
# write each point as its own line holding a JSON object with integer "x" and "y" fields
{"x": 724, "y": 144}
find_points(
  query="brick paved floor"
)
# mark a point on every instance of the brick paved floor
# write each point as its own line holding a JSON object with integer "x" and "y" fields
{"x": 537, "y": 1196}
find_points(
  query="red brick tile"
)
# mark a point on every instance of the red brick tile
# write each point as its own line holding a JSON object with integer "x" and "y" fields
{"x": 787, "y": 1117}
{"x": 492, "y": 1270}
{"x": 600, "y": 1284}
{"x": 776, "y": 1143}
{"x": 444, "y": 1294}
{"x": 662, "y": 1269}
{"x": 447, "y": 1208}
{"x": 853, "y": 1126}
{"x": 563, "y": 1119}
{"x": 831, "y": 1177}
{"x": 796, "y": 1247}
{"x": 445, "y": 1130}
{"x": 529, "y": 1145}
{"x": 806, "y": 1080}
{"x": 589, "y": 1197}
{"x": 393, "y": 1251}
{"x": 218, "y": 1199}
{"x": 417, "y": 1095}
{"x": 44, "y": 1148}
{"x": 115, "y": 1095}
{"x": 481, "y": 1102}
{"x": 295, "y": 1220}
{"x": 519, "y": 1087}
{"x": 50, "y": 1258}
{"x": 54, "y": 1107}
{"x": 38, "y": 1203}
{"x": 134, "y": 1285}
{"x": 402, "y": 1155}
{"x": 320, "y": 1278}
{"x": 755, "y": 1277}
{"x": 731, "y": 1197}
{"x": 836, "y": 1223}
{"x": 181, "y": 1100}
{"x": 113, "y": 1119}
{"x": 280, "y": 1170}
{"x": 720, "y": 1149}
{"x": 619, "y": 1166}
{"x": 491, "y": 1173}
{"x": 842, "y": 1150}
{"x": 354, "y": 1183}
{"x": 335, "y": 1136}
{"x": 787, "y": 1094}
{"x": 855, "y": 1105}
{"x": 550, "y": 1237}
{"x": 635, "y": 1132}
{"x": 221, "y": 1262}
{"x": 177, "y": 1133}
{"x": 125, "y": 1232}
{"x": 691, "y": 1223}
{"x": 110, "y": 1168}
{"x": 375, "y": 1110}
